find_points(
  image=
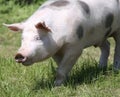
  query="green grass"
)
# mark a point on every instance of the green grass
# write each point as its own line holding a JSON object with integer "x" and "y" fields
{"x": 85, "y": 79}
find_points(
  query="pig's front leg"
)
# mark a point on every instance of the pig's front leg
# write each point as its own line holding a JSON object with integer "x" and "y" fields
{"x": 66, "y": 64}
{"x": 117, "y": 52}
{"x": 105, "y": 50}
{"x": 57, "y": 58}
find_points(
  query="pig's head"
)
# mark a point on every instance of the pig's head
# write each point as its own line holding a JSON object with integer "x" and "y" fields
{"x": 37, "y": 43}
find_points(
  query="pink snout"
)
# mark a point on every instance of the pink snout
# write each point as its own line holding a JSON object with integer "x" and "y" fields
{"x": 20, "y": 58}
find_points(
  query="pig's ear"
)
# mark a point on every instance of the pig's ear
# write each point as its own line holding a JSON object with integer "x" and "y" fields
{"x": 43, "y": 26}
{"x": 14, "y": 27}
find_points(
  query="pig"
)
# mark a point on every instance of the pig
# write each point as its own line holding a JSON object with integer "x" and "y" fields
{"x": 62, "y": 29}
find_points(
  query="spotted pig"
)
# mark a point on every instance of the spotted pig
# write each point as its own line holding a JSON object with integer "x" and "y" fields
{"x": 61, "y": 29}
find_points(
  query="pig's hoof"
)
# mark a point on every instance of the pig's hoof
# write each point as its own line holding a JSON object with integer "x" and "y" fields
{"x": 117, "y": 67}
{"x": 58, "y": 82}
{"x": 116, "y": 70}
{"x": 102, "y": 67}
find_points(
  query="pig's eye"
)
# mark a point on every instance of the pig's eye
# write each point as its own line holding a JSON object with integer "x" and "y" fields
{"x": 37, "y": 38}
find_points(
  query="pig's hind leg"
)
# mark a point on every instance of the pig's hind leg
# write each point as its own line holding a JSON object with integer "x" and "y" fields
{"x": 116, "y": 62}
{"x": 105, "y": 50}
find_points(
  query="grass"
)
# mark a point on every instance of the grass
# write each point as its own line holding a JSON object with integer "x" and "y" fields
{"x": 85, "y": 79}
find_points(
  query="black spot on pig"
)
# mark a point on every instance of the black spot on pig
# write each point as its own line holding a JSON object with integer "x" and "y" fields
{"x": 60, "y": 3}
{"x": 109, "y": 20}
{"x": 117, "y": 1}
{"x": 84, "y": 6}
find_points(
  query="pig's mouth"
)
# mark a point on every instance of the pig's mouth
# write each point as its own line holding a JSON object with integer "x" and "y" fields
{"x": 24, "y": 60}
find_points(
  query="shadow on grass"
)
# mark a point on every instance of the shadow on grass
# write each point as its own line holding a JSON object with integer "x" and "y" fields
{"x": 43, "y": 84}
{"x": 87, "y": 73}
{"x": 46, "y": 83}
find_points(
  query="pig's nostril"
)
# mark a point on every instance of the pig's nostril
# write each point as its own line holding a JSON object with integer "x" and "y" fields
{"x": 20, "y": 58}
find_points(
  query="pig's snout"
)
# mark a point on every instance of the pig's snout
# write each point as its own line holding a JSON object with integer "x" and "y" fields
{"x": 20, "y": 58}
